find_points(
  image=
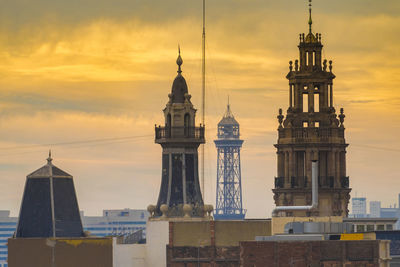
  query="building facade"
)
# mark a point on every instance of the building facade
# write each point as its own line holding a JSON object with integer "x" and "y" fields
{"x": 229, "y": 204}
{"x": 311, "y": 131}
{"x": 7, "y": 229}
{"x": 375, "y": 209}
{"x": 359, "y": 207}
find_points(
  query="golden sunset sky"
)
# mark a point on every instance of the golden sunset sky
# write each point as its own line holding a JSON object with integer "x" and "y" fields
{"x": 101, "y": 71}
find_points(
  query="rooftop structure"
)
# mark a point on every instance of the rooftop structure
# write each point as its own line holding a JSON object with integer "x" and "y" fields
{"x": 49, "y": 206}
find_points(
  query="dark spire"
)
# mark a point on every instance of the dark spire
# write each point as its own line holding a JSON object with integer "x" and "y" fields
{"x": 179, "y": 86}
{"x": 228, "y": 113}
{"x": 49, "y": 159}
{"x": 179, "y": 60}
{"x": 228, "y": 118}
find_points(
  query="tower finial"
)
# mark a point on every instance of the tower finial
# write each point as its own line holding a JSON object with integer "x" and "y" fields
{"x": 179, "y": 60}
{"x": 310, "y": 19}
{"x": 49, "y": 159}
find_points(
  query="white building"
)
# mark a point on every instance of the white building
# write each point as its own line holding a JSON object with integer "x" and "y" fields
{"x": 375, "y": 209}
{"x": 7, "y": 228}
{"x": 359, "y": 207}
{"x": 116, "y": 222}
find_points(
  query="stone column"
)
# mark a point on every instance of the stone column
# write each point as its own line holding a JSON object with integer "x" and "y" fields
{"x": 280, "y": 171}
{"x": 310, "y": 89}
{"x": 287, "y": 179}
{"x": 307, "y": 166}
{"x": 291, "y": 165}
{"x": 337, "y": 176}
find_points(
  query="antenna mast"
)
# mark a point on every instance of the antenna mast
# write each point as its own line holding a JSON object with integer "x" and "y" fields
{"x": 203, "y": 85}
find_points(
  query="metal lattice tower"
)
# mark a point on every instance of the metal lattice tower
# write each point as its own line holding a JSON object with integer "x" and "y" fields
{"x": 229, "y": 185}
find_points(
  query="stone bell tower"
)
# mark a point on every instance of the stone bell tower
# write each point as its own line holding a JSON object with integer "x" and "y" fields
{"x": 180, "y": 193}
{"x": 311, "y": 131}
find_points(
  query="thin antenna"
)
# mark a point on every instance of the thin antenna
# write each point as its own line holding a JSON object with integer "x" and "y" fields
{"x": 203, "y": 80}
{"x": 310, "y": 19}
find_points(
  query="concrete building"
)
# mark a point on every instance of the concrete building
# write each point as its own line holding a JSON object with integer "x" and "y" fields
{"x": 375, "y": 209}
{"x": 359, "y": 207}
{"x": 311, "y": 131}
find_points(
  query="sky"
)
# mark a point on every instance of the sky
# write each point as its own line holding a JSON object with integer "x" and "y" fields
{"x": 89, "y": 79}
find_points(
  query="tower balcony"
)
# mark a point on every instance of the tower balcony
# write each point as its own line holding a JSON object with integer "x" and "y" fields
{"x": 179, "y": 134}
{"x": 311, "y": 134}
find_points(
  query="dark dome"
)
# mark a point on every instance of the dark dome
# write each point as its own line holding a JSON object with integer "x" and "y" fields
{"x": 179, "y": 89}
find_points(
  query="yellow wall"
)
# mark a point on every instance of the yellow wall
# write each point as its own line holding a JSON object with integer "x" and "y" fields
{"x": 227, "y": 233}
{"x": 278, "y": 223}
{"x": 192, "y": 234}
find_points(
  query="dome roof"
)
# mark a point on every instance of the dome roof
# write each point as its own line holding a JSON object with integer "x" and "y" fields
{"x": 179, "y": 89}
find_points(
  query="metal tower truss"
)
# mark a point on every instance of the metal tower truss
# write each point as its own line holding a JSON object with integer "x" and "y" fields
{"x": 229, "y": 186}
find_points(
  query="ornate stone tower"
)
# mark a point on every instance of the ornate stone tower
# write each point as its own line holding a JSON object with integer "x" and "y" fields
{"x": 180, "y": 139}
{"x": 311, "y": 131}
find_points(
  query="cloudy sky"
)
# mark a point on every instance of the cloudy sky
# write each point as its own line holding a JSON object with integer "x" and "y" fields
{"x": 89, "y": 79}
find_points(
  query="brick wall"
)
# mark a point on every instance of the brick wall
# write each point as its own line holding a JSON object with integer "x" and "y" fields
{"x": 209, "y": 256}
{"x": 310, "y": 253}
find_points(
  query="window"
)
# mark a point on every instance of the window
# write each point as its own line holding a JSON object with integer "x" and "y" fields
{"x": 307, "y": 59}
{"x": 370, "y": 228}
{"x": 305, "y": 124}
{"x": 389, "y": 227}
{"x": 380, "y": 227}
{"x": 313, "y": 56}
{"x": 316, "y": 102}
{"x": 360, "y": 228}
{"x": 305, "y": 102}
{"x": 317, "y": 124}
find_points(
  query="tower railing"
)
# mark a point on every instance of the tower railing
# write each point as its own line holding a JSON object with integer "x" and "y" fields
{"x": 305, "y": 133}
{"x": 179, "y": 132}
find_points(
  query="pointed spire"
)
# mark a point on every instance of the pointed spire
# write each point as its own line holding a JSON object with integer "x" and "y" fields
{"x": 310, "y": 19}
{"x": 228, "y": 113}
{"x": 49, "y": 159}
{"x": 179, "y": 60}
